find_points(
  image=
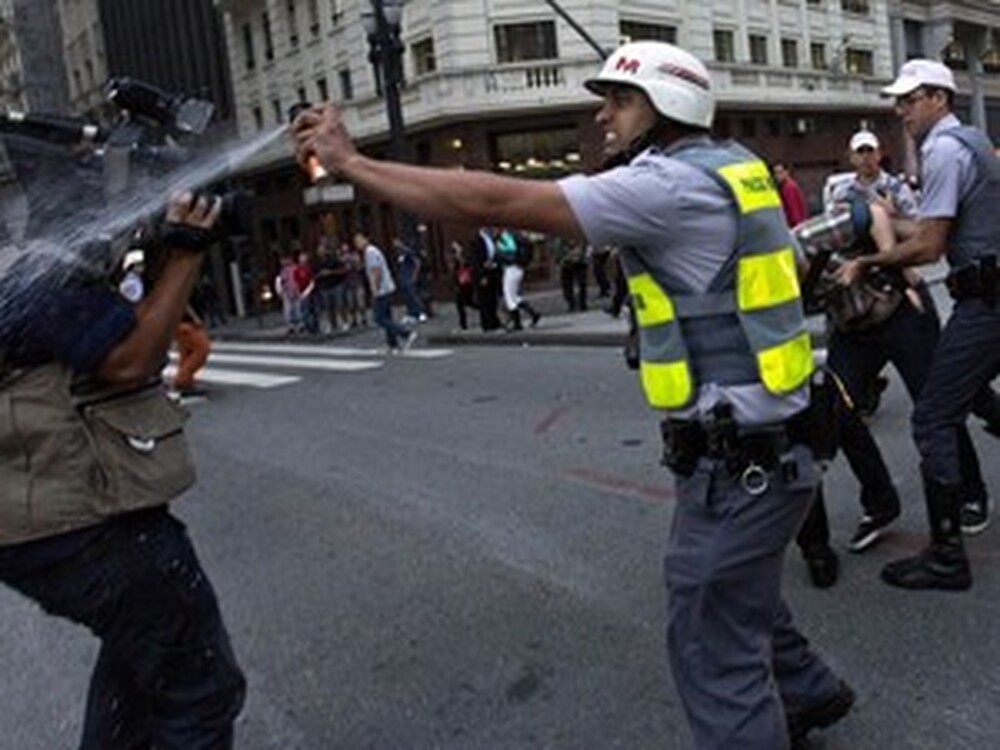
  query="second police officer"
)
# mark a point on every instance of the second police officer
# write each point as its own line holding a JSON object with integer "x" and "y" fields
{"x": 958, "y": 219}
{"x": 725, "y": 356}
{"x": 900, "y": 327}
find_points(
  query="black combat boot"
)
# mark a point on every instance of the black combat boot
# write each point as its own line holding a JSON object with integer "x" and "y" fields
{"x": 532, "y": 312}
{"x": 514, "y": 323}
{"x": 943, "y": 565}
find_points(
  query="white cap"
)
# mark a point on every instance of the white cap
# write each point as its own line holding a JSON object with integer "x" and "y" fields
{"x": 863, "y": 138}
{"x": 917, "y": 73}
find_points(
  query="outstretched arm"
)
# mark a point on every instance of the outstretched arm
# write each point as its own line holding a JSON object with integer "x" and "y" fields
{"x": 470, "y": 196}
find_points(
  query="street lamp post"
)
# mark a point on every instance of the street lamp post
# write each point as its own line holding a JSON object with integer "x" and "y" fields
{"x": 382, "y": 26}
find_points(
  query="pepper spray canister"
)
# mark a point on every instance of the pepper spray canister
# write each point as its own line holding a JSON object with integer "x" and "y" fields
{"x": 315, "y": 170}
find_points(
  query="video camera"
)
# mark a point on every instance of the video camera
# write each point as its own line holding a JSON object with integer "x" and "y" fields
{"x": 71, "y": 170}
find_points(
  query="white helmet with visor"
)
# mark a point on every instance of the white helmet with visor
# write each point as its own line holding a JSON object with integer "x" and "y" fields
{"x": 677, "y": 83}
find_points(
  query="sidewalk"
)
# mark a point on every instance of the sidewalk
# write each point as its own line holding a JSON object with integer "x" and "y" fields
{"x": 556, "y": 328}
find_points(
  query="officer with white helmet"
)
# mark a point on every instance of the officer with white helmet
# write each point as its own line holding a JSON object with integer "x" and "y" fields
{"x": 725, "y": 357}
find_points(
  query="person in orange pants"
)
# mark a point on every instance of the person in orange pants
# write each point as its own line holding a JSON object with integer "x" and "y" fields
{"x": 193, "y": 347}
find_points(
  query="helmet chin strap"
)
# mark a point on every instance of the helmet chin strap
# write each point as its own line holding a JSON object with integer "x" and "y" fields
{"x": 655, "y": 135}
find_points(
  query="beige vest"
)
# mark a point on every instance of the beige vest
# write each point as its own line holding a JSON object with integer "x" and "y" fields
{"x": 71, "y": 456}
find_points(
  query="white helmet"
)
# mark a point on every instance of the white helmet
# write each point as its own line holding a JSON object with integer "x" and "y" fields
{"x": 677, "y": 83}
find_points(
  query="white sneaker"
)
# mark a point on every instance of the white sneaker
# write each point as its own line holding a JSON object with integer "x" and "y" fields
{"x": 409, "y": 340}
{"x": 407, "y": 320}
{"x": 422, "y": 318}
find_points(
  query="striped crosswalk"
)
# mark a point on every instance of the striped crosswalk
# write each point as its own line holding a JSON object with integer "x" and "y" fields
{"x": 264, "y": 365}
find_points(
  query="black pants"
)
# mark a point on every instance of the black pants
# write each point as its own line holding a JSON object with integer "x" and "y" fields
{"x": 908, "y": 340}
{"x": 573, "y": 277}
{"x": 165, "y": 676}
{"x": 487, "y": 297}
{"x": 465, "y": 297}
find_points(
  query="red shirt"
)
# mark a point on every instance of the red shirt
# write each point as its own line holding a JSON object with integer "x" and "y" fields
{"x": 302, "y": 276}
{"x": 793, "y": 202}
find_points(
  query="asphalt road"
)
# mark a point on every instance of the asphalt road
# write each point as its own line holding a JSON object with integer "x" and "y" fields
{"x": 465, "y": 553}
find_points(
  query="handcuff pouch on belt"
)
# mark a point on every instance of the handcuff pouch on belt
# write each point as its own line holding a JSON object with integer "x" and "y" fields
{"x": 981, "y": 279}
{"x": 748, "y": 457}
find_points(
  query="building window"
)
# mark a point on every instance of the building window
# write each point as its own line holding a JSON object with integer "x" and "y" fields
{"x": 293, "y": 24}
{"x": 817, "y": 56}
{"x": 517, "y": 42}
{"x": 991, "y": 57}
{"x": 346, "y": 85}
{"x": 725, "y": 49}
{"x": 634, "y": 31}
{"x": 312, "y": 12}
{"x": 859, "y": 62}
{"x": 77, "y": 81}
{"x": 258, "y": 117}
{"x": 336, "y": 12}
{"x": 301, "y": 92}
{"x": 265, "y": 22}
{"x": 814, "y": 2}
{"x": 91, "y": 78}
{"x": 423, "y": 56}
{"x": 789, "y": 53}
{"x": 322, "y": 90}
{"x": 758, "y": 49}
{"x": 248, "y": 55}
{"x": 913, "y": 38}
{"x": 546, "y": 154}
{"x": 279, "y": 116}
{"x": 855, "y": 6}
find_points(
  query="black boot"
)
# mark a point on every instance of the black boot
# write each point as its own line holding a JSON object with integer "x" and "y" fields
{"x": 514, "y": 323}
{"x": 943, "y": 565}
{"x": 535, "y": 317}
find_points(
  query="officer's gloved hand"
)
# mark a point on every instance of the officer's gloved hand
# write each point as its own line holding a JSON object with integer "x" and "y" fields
{"x": 189, "y": 223}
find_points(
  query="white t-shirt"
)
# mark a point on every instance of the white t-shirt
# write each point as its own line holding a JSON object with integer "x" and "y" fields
{"x": 375, "y": 259}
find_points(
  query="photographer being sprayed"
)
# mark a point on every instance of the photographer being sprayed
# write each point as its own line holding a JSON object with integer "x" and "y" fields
{"x": 91, "y": 453}
{"x": 725, "y": 357}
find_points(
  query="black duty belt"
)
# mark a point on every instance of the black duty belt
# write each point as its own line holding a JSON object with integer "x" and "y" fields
{"x": 977, "y": 281}
{"x": 750, "y": 457}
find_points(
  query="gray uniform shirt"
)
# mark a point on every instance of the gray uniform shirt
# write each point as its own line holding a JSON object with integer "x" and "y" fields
{"x": 884, "y": 185}
{"x": 674, "y": 217}
{"x": 947, "y": 171}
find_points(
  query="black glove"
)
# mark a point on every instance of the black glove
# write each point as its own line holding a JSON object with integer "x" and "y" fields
{"x": 180, "y": 236}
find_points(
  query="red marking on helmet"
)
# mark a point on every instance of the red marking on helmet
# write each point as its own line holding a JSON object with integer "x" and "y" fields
{"x": 686, "y": 74}
{"x": 628, "y": 65}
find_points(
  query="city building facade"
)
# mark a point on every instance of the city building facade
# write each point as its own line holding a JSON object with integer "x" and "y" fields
{"x": 498, "y": 84}
{"x": 84, "y": 55}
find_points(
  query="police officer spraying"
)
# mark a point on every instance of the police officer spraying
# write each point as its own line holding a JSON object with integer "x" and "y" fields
{"x": 725, "y": 355}
{"x": 958, "y": 219}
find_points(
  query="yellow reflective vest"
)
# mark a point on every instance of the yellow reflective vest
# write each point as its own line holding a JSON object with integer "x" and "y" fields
{"x": 749, "y": 326}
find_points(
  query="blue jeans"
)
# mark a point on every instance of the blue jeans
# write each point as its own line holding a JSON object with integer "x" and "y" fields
{"x": 967, "y": 358}
{"x": 414, "y": 307}
{"x": 382, "y": 313}
{"x": 165, "y": 676}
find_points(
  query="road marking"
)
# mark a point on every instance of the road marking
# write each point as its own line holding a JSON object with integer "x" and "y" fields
{"x": 323, "y": 350}
{"x": 236, "y": 377}
{"x": 333, "y": 365}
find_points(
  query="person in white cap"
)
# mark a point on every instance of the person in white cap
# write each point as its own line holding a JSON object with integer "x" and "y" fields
{"x": 725, "y": 354}
{"x": 958, "y": 219}
{"x": 870, "y": 180}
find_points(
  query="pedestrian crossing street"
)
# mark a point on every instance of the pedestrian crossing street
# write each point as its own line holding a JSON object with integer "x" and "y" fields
{"x": 264, "y": 365}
